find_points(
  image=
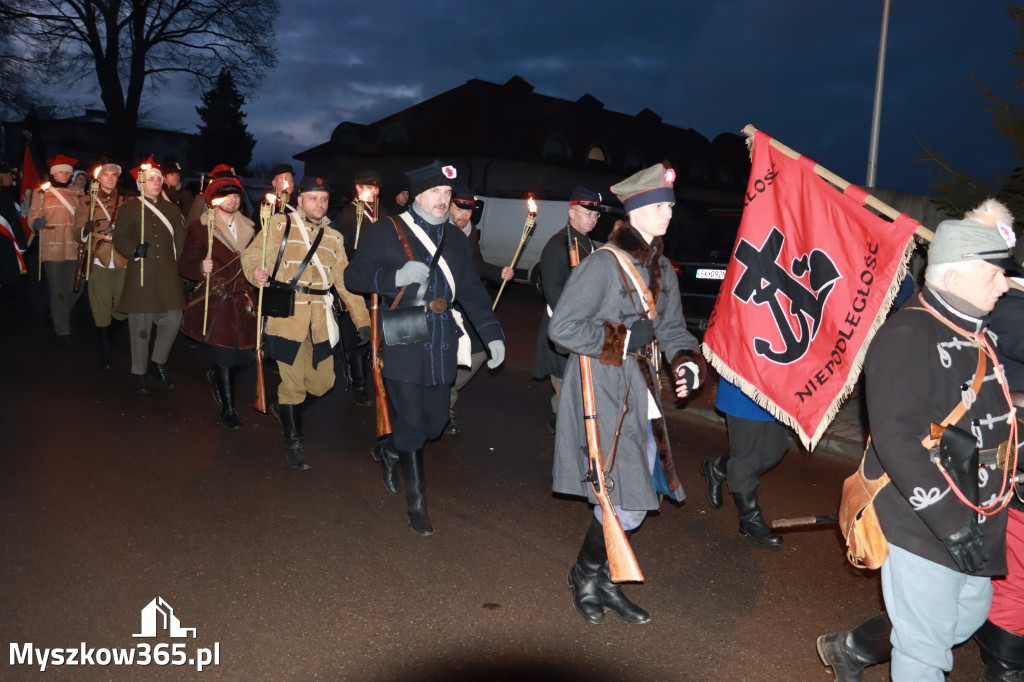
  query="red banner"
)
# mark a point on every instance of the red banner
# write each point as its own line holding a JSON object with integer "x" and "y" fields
{"x": 812, "y": 275}
{"x": 29, "y": 181}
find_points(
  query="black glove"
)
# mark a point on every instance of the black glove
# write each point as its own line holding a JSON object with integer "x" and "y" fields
{"x": 90, "y": 227}
{"x": 641, "y": 333}
{"x": 140, "y": 250}
{"x": 364, "y": 335}
{"x": 967, "y": 548}
{"x": 38, "y": 224}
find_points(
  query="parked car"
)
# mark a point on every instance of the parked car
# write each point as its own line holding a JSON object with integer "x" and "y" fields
{"x": 700, "y": 252}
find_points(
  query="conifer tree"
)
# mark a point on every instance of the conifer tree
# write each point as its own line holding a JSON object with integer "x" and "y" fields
{"x": 223, "y": 134}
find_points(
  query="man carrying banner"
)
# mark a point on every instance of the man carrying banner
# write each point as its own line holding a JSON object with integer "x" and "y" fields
{"x": 757, "y": 442}
{"x": 933, "y": 362}
{"x": 615, "y": 305}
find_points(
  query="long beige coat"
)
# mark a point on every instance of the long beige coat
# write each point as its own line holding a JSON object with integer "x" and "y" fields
{"x": 57, "y": 242}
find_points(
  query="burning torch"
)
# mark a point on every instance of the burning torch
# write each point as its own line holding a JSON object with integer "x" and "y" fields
{"x": 211, "y": 219}
{"x": 42, "y": 201}
{"x": 364, "y": 201}
{"x": 140, "y": 181}
{"x": 531, "y": 220}
{"x": 94, "y": 191}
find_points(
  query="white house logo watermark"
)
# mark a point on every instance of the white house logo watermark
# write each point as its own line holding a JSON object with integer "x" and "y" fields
{"x": 159, "y": 612}
{"x": 158, "y": 620}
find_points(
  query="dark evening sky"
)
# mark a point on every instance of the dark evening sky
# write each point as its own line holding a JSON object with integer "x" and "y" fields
{"x": 802, "y": 71}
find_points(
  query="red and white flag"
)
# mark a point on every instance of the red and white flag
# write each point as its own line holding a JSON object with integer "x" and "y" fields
{"x": 29, "y": 181}
{"x": 812, "y": 275}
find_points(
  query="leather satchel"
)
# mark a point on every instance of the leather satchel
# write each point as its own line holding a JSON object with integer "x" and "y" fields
{"x": 279, "y": 297}
{"x": 407, "y": 324}
{"x": 866, "y": 546}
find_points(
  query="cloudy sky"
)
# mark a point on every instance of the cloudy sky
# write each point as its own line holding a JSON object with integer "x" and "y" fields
{"x": 801, "y": 70}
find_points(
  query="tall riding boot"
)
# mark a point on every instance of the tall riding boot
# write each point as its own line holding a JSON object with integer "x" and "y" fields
{"x": 384, "y": 452}
{"x": 103, "y": 345}
{"x": 848, "y": 653}
{"x": 752, "y": 523}
{"x": 585, "y": 575}
{"x": 290, "y": 416}
{"x": 415, "y": 490}
{"x": 357, "y": 371}
{"x": 614, "y": 600}
{"x": 1002, "y": 652}
{"x": 714, "y": 470}
{"x": 222, "y": 390}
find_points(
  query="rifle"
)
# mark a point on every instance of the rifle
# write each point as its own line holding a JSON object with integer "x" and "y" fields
{"x": 377, "y": 365}
{"x": 80, "y": 266}
{"x": 259, "y": 401}
{"x": 622, "y": 563}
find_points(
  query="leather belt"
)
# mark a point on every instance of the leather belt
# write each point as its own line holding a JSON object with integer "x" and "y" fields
{"x": 302, "y": 289}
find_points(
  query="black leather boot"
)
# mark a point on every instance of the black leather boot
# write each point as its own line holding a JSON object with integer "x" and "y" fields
{"x": 415, "y": 490}
{"x": 451, "y": 428}
{"x": 159, "y": 372}
{"x": 848, "y": 653}
{"x": 1002, "y": 652}
{"x": 103, "y": 345}
{"x": 289, "y": 415}
{"x": 585, "y": 575}
{"x": 225, "y": 398}
{"x": 141, "y": 383}
{"x": 715, "y": 470}
{"x": 357, "y": 372}
{"x": 614, "y": 600}
{"x": 752, "y": 523}
{"x": 384, "y": 453}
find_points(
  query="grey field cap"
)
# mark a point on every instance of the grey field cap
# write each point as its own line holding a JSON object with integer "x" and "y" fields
{"x": 960, "y": 241}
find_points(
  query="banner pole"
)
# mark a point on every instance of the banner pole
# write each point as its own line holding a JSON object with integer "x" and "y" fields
{"x": 870, "y": 200}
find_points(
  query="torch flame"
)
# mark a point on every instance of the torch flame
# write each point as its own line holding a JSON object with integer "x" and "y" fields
{"x": 365, "y": 196}
{"x": 284, "y": 185}
{"x": 45, "y": 186}
{"x": 96, "y": 173}
{"x": 270, "y": 198}
{"x": 533, "y": 205}
{"x": 216, "y": 202}
{"x": 145, "y": 166}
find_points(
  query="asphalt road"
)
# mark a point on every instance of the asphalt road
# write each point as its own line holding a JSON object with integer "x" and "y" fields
{"x": 109, "y": 500}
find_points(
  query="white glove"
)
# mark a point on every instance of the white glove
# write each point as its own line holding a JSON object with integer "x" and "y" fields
{"x": 413, "y": 272}
{"x": 690, "y": 374}
{"x": 497, "y": 350}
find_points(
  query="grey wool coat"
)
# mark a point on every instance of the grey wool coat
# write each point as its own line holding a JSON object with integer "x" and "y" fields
{"x": 591, "y": 318}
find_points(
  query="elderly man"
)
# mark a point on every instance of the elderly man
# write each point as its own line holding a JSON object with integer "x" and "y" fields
{"x": 461, "y": 210}
{"x": 150, "y": 232}
{"x": 52, "y": 217}
{"x": 934, "y": 362}
{"x": 615, "y": 325}
{"x": 584, "y": 210}
{"x": 420, "y": 256}
{"x": 95, "y": 218}
{"x": 308, "y": 266}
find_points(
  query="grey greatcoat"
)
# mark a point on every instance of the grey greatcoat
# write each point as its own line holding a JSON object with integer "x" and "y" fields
{"x": 591, "y": 318}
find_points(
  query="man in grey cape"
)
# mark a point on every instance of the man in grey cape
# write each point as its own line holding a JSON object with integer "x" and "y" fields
{"x": 614, "y": 306}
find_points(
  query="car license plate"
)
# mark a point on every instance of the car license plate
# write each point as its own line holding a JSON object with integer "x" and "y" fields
{"x": 710, "y": 273}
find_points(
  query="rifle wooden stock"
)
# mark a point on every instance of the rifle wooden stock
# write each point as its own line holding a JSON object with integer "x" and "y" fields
{"x": 80, "y": 267}
{"x": 622, "y": 563}
{"x": 383, "y": 414}
{"x": 259, "y": 401}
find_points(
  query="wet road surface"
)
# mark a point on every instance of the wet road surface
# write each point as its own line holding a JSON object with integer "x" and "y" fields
{"x": 109, "y": 499}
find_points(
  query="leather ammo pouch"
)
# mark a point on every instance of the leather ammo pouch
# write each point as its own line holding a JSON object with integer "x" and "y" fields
{"x": 407, "y": 324}
{"x": 866, "y": 546}
{"x": 279, "y": 297}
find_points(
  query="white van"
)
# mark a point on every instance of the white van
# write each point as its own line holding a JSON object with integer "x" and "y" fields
{"x": 501, "y": 227}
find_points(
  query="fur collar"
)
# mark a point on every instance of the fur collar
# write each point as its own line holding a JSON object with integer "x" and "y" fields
{"x": 629, "y": 240}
